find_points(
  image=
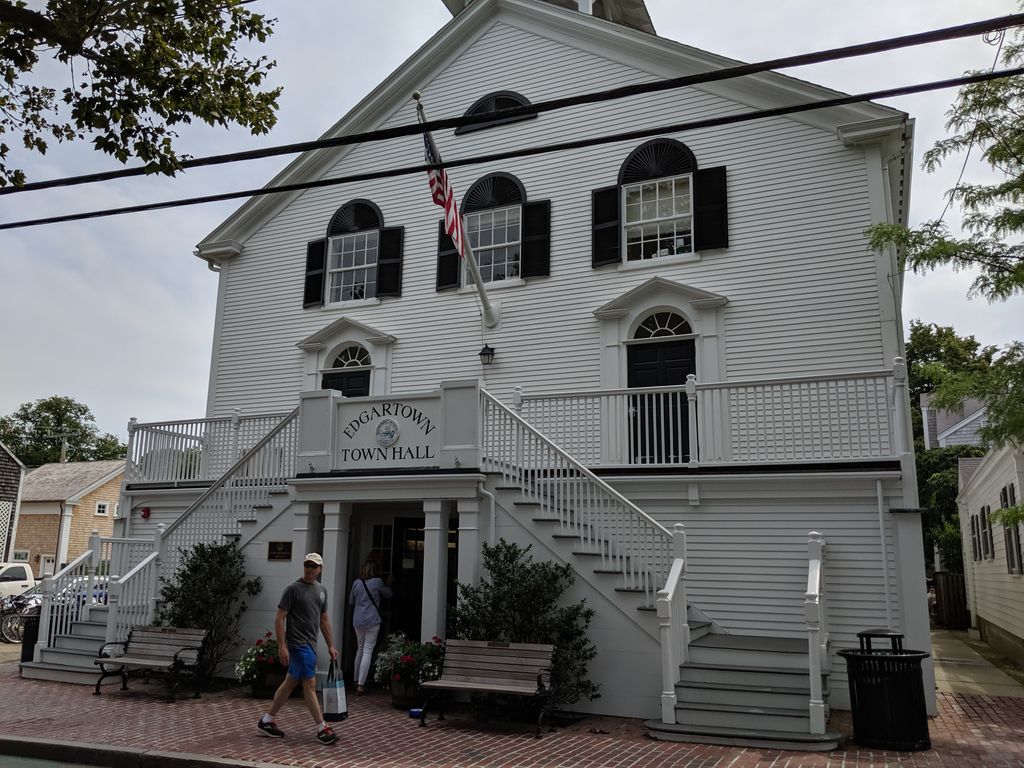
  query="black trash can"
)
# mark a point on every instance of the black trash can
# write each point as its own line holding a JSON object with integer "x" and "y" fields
{"x": 29, "y": 636}
{"x": 887, "y": 693}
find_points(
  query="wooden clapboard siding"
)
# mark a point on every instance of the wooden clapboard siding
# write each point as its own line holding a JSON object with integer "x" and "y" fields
{"x": 993, "y": 593}
{"x": 803, "y": 289}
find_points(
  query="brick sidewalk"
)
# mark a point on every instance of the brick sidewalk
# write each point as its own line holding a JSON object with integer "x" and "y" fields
{"x": 970, "y": 730}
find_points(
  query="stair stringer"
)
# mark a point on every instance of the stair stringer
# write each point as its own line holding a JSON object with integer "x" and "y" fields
{"x": 262, "y": 517}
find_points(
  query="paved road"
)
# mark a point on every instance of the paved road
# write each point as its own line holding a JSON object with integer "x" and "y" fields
{"x": 959, "y": 669}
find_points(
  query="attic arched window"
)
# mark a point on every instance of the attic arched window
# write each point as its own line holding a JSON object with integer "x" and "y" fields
{"x": 660, "y": 324}
{"x": 510, "y": 237}
{"x": 493, "y": 103}
{"x": 663, "y": 205}
{"x": 359, "y": 259}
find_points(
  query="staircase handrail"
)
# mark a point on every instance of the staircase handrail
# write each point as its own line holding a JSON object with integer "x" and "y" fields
{"x": 657, "y": 565}
{"x": 817, "y": 628}
{"x": 675, "y": 630}
{"x": 56, "y": 618}
{"x": 131, "y": 598}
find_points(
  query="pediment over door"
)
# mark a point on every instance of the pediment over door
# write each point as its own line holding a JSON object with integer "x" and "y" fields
{"x": 324, "y": 346}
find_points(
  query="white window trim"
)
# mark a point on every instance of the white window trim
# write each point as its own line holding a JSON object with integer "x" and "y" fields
{"x": 500, "y": 285}
{"x": 675, "y": 258}
{"x": 518, "y": 280}
{"x": 328, "y": 272}
{"x": 659, "y": 263}
{"x": 20, "y": 555}
{"x": 351, "y": 303}
{"x": 106, "y": 509}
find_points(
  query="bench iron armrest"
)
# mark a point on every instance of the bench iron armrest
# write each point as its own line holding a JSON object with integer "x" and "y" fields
{"x": 178, "y": 661}
{"x": 105, "y": 654}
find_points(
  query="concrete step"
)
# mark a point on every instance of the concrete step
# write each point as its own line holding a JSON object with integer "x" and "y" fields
{"x": 748, "y": 737}
{"x": 31, "y": 670}
{"x": 750, "y": 650}
{"x": 745, "y": 717}
{"x": 78, "y": 643}
{"x": 93, "y": 629}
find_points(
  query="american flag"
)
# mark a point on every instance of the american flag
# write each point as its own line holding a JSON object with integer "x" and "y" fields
{"x": 442, "y": 193}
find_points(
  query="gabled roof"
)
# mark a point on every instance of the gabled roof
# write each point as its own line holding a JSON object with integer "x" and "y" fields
{"x": 695, "y": 296}
{"x": 631, "y": 13}
{"x": 321, "y": 338}
{"x": 657, "y": 56}
{"x": 10, "y": 453}
{"x": 68, "y": 481}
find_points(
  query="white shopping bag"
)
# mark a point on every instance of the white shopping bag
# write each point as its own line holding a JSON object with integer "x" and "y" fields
{"x": 335, "y": 704}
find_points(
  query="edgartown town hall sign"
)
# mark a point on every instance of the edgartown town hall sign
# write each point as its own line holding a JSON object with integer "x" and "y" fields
{"x": 389, "y": 433}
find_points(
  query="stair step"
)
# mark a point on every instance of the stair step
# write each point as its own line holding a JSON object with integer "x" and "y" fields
{"x": 33, "y": 670}
{"x": 750, "y": 650}
{"x": 69, "y": 658}
{"x": 759, "y": 696}
{"x": 262, "y": 506}
{"x": 781, "y": 719}
{"x": 78, "y": 643}
{"x": 93, "y": 629}
{"x": 749, "y": 737}
{"x": 726, "y": 674}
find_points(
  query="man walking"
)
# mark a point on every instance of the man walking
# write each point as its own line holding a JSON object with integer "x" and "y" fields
{"x": 303, "y": 608}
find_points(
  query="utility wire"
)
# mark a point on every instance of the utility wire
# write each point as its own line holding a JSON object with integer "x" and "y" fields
{"x": 560, "y": 147}
{"x": 728, "y": 73}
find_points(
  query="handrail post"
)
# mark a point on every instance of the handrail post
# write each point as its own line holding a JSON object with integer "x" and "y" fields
{"x": 669, "y": 662}
{"x": 91, "y": 571}
{"x": 683, "y": 624}
{"x": 133, "y": 474}
{"x": 517, "y": 399}
{"x": 899, "y": 400}
{"x": 691, "y": 409}
{"x": 236, "y": 424}
{"x": 113, "y": 605}
{"x": 45, "y": 612}
{"x": 160, "y": 547}
{"x": 813, "y": 616}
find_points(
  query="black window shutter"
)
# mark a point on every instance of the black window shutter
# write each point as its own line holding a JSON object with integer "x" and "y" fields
{"x": 389, "y": 262}
{"x": 447, "y": 260}
{"x": 711, "y": 215}
{"x": 316, "y": 254}
{"x": 606, "y": 234}
{"x": 536, "y": 252}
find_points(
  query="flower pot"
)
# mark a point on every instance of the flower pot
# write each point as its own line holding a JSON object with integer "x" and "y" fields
{"x": 405, "y": 694}
{"x": 265, "y": 684}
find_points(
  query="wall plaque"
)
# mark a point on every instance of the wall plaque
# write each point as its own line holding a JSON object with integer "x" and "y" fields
{"x": 279, "y": 550}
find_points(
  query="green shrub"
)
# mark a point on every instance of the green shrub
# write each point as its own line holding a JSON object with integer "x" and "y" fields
{"x": 517, "y": 601}
{"x": 208, "y": 592}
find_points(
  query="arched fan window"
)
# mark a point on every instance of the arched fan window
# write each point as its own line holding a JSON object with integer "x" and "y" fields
{"x": 492, "y": 104}
{"x": 663, "y": 205}
{"x": 509, "y": 236}
{"x": 662, "y": 324}
{"x": 352, "y": 357}
{"x": 359, "y": 259}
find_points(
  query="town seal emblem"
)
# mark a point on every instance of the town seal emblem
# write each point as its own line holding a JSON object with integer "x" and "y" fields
{"x": 387, "y": 432}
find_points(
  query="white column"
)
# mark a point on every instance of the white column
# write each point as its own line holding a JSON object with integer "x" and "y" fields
{"x": 67, "y": 512}
{"x": 469, "y": 541}
{"x": 435, "y": 568}
{"x": 910, "y": 571}
{"x": 337, "y": 530}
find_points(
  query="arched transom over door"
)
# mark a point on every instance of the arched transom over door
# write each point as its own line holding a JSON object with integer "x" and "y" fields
{"x": 349, "y": 372}
{"x": 661, "y": 354}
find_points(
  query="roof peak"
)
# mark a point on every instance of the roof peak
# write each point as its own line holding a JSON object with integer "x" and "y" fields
{"x": 628, "y": 13}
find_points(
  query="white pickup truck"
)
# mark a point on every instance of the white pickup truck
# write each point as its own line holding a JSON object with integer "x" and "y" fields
{"x": 15, "y": 578}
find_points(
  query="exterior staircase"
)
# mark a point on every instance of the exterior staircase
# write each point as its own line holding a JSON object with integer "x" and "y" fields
{"x": 70, "y": 660}
{"x": 745, "y": 690}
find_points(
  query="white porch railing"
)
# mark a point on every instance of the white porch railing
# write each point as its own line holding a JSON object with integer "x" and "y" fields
{"x": 675, "y": 630}
{"x": 794, "y": 419}
{"x": 629, "y": 539}
{"x": 817, "y": 628}
{"x": 199, "y": 449}
{"x": 133, "y": 597}
{"x": 65, "y": 594}
{"x": 267, "y": 467}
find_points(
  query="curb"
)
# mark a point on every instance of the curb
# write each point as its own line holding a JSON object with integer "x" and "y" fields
{"x": 115, "y": 757}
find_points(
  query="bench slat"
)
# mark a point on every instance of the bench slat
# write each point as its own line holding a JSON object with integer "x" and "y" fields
{"x": 495, "y": 645}
{"x": 501, "y": 662}
{"x": 494, "y": 674}
{"x": 484, "y": 686}
{"x": 171, "y": 630}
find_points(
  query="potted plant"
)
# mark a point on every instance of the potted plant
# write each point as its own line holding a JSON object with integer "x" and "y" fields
{"x": 259, "y": 665}
{"x": 403, "y": 664}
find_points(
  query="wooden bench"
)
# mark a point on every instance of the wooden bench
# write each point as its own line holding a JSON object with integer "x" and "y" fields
{"x": 171, "y": 651}
{"x": 517, "y": 669}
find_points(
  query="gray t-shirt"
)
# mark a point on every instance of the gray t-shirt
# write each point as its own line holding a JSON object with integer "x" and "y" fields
{"x": 304, "y": 603}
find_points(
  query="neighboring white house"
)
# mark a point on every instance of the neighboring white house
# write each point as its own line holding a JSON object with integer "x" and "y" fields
{"x": 693, "y": 331}
{"x": 993, "y": 559}
{"x": 945, "y": 428}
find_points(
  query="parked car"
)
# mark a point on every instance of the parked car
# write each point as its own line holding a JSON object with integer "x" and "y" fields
{"x": 16, "y": 578}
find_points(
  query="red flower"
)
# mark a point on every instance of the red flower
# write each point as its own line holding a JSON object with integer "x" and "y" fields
{"x": 259, "y": 642}
{"x": 397, "y": 676}
{"x": 259, "y": 659}
{"x": 407, "y": 659}
{"x": 268, "y": 635}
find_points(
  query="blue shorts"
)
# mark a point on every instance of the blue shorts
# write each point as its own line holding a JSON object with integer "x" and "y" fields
{"x": 302, "y": 661}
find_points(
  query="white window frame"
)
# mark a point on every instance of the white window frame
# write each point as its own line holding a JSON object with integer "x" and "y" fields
{"x": 647, "y": 222}
{"x": 105, "y": 505}
{"x": 20, "y": 555}
{"x": 484, "y": 254}
{"x": 359, "y": 245}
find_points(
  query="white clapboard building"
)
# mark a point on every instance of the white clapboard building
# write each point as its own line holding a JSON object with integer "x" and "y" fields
{"x": 691, "y": 388}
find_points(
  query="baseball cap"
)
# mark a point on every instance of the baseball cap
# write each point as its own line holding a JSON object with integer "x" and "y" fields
{"x": 313, "y": 557}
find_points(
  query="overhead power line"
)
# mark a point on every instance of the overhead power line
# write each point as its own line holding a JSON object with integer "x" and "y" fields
{"x": 728, "y": 73}
{"x": 560, "y": 147}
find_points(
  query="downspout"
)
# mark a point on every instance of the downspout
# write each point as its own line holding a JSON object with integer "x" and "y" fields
{"x": 885, "y": 554}
{"x": 490, "y": 498}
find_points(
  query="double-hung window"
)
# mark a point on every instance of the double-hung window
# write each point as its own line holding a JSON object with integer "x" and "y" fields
{"x": 352, "y": 267}
{"x": 496, "y": 237}
{"x": 658, "y": 218}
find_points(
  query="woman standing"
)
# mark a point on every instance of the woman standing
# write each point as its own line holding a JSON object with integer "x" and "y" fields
{"x": 365, "y": 598}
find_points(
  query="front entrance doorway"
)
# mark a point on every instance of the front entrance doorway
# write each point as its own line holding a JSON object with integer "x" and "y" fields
{"x": 659, "y": 422}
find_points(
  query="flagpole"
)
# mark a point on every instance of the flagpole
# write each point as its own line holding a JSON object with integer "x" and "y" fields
{"x": 492, "y": 314}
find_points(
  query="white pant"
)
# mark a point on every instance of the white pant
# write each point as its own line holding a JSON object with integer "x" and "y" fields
{"x": 366, "y": 637}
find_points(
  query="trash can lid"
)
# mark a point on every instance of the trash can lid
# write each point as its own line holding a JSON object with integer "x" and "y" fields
{"x": 879, "y": 632}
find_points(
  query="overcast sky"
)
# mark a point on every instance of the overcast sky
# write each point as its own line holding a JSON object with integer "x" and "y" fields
{"x": 119, "y": 314}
